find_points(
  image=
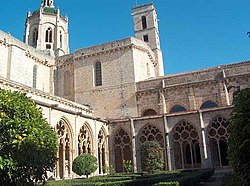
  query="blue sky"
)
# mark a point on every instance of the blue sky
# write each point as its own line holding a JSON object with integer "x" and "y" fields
{"x": 194, "y": 34}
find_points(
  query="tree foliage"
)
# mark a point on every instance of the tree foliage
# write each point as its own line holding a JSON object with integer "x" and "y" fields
{"x": 28, "y": 145}
{"x": 84, "y": 164}
{"x": 239, "y": 140}
{"x": 152, "y": 156}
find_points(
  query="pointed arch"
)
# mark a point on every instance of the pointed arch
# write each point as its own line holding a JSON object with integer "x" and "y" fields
{"x": 186, "y": 145}
{"x": 85, "y": 139}
{"x": 102, "y": 150}
{"x": 64, "y": 163}
{"x": 208, "y": 104}
{"x": 177, "y": 108}
{"x": 122, "y": 148}
{"x": 218, "y": 139}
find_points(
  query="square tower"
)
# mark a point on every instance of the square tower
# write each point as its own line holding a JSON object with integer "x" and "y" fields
{"x": 146, "y": 29}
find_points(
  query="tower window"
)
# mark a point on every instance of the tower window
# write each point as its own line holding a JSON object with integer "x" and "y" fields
{"x": 35, "y": 37}
{"x": 60, "y": 39}
{"x": 34, "y": 75}
{"x": 144, "y": 22}
{"x": 48, "y": 35}
{"x": 98, "y": 74}
{"x": 145, "y": 38}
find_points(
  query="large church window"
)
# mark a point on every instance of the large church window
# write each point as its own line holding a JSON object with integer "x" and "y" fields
{"x": 144, "y": 22}
{"x": 34, "y": 37}
{"x": 122, "y": 149}
{"x": 208, "y": 104}
{"x": 218, "y": 137}
{"x": 98, "y": 74}
{"x": 48, "y": 35}
{"x": 177, "y": 108}
{"x": 186, "y": 146}
{"x": 34, "y": 76}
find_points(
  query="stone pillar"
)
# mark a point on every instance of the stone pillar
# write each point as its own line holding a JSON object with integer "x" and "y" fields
{"x": 133, "y": 145}
{"x": 206, "y": 159}
{"x": 63, "y": 159}
{"x": 58, "y": 166}
{"x": 168, "y": 148}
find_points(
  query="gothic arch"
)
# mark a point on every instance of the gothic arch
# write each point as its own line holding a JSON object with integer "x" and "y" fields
{"x": 85, "y": 139}
{"x": 122, "y": 148}
{"x": 186, "y": 145}
{"x": 218, "y": 139}
{"x": 102, "y": 150}
{"x": 150, "y": 133}
{"x": 64, "y": 163}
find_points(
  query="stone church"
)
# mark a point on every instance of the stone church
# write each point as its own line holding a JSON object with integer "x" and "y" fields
{"x": 111, "y": 98}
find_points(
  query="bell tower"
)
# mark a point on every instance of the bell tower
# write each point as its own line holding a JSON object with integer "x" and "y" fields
{"x": 46, "y": 29}
{"x": 146, "y": 29}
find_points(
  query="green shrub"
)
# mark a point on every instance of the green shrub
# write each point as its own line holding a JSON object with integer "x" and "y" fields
{"x": 84, "y": 164}
{"x": 239, "y": 139}
{"x": 172, "y": 183}
{"x": 152, "y": 156}
{"x": 28, "y": 145}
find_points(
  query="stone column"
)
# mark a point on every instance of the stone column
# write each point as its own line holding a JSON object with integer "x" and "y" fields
{"x": 63, "y": 159}
{"x": 58, "y": 166}
{"x": 168, "y": 148}
{"x": 204, "y": 152}
{"x": 133, "y": 145}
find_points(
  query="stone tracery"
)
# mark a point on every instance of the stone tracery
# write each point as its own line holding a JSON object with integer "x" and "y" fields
{"x": 218, "y": 137}
{"x": 85, "y": 140}
{"x": 186, "y": 146}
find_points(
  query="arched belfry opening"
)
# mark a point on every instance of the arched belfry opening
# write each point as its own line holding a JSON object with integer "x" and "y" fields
{"x": 64, "y": 154}
{"x": 218, "y": 139}
{"x": 186, "y": 146}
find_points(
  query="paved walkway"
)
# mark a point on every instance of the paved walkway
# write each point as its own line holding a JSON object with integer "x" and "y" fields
{"x": 215, "y": 180}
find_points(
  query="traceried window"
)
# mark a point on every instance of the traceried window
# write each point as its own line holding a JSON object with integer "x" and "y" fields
{"x": 177, "y": 108}
{"x": 98, "y": 73}
{"x": 85, "y": 140}
{"x": 186, "y": 146}
{"x": 218, "y": 136}
{"x": 208, "y": 104}
{"x": 34, "y": 37}
{"x": 48, "y": 35}
{"x": 122, "y": 149}
{"x": 144, "y": 22}
{"x": 34, "y": 76}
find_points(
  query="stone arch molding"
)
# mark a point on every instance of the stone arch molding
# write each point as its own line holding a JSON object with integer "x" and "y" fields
{"x": 65, "y": 150}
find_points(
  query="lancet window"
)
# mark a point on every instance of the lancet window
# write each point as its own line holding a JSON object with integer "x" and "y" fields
{"x": 85, "y": 144}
